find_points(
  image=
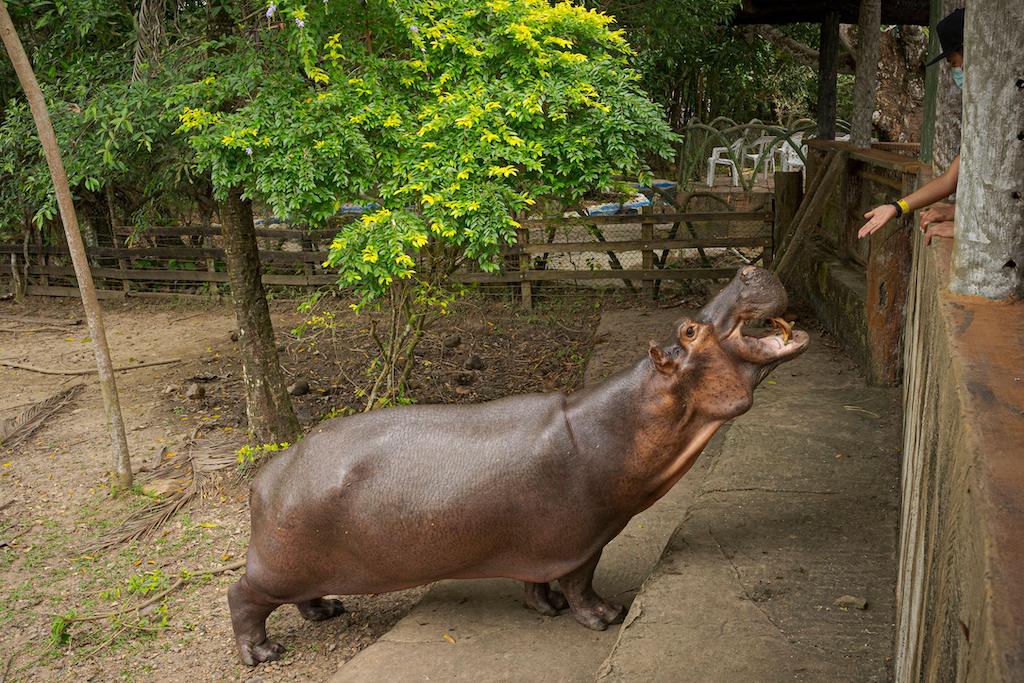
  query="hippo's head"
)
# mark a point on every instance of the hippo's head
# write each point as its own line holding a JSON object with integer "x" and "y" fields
{"x": 715, "y": 365}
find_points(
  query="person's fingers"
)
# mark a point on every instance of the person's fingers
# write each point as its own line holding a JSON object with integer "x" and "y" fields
{"x": 944, "y": 229}
{"x": 871, "y": 227}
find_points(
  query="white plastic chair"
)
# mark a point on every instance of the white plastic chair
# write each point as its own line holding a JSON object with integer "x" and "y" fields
{"x": 763, "y": 154}
{"x": 723, "y": 156}
{"x": 791, "y": 160}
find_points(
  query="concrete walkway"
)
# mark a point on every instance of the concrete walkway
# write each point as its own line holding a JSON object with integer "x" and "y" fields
{"x": 788, "y": 509}
{"x": 797, "y": 513}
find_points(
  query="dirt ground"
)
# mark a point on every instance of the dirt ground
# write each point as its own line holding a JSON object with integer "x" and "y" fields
{"x": 54, "y": 496}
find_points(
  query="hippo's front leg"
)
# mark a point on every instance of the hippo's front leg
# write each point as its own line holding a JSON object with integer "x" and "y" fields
{"x": 589, "y": 608}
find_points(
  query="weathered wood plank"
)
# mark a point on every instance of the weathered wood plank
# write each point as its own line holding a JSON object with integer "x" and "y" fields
{"x": 538, "y": 275}
{"x": 182, "y": 253}
{"x": 639, "y": 245}
{"x": 637, "y": 219}
{"x": 199, "y": 230}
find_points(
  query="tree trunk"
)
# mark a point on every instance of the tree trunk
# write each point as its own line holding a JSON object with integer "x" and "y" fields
{"x": 901, "y": 84}
{"x": 828, "y": 64}
{"x": 122, "y": 474}
{"x": 149, "y": 32}
{"x": 869, "y": 32}
{"x": 988, "y": 252}
{"x": 948, "y": 108}
{"x": 271, "y": 418}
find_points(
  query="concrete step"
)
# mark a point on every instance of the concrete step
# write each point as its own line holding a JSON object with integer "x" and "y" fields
{"x": 798, "y": 510}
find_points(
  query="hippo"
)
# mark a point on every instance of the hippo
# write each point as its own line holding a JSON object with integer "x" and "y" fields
{"x": 528, "y": 487}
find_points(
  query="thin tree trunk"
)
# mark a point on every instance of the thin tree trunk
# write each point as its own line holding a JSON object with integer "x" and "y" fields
{"x": 267, "y": 405}
{"x": 869, "y": 33}
{"x": 122, "y": 474}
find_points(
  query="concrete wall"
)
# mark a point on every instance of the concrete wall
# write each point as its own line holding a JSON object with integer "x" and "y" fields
{"x": 961, "y": 582}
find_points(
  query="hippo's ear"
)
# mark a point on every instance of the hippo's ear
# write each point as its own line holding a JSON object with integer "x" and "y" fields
{"x": 662, "y": 363}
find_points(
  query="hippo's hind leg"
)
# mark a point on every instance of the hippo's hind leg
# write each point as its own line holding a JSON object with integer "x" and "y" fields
{"x": 589, "y": 608}
{"x": 319, "y": 609}
{"x": 545, "y": 599}
{"x": 249, "y": 611}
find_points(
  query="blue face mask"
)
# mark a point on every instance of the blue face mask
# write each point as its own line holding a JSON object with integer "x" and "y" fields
{"x": 958, "y": 76}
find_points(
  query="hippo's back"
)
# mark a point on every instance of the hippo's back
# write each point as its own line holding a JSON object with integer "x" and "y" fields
{"x": 458, "y": 488}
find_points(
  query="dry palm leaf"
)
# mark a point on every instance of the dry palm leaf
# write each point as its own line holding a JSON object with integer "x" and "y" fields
{"x": 16, "y": 430}
{"x": 184, "y": 479}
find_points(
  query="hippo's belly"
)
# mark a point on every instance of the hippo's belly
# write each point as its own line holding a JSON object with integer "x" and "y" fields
{"x": 409, "y": 496}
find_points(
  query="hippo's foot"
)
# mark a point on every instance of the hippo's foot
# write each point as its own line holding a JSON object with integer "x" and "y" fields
{"x": 589, "y": 608}
{"x": 545, "y": 599}
{"x": 267, "y": 651}
{"x": 250, "y": 608}
{"x": 597, "y": 614}
{"x": 319, "y": 609}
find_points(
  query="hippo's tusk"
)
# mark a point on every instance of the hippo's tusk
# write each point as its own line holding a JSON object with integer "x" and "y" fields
{"x": 784, "y": 327}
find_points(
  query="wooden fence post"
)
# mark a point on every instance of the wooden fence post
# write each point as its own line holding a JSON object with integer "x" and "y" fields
{"x": 647, "y": 255}
{"x": 789, "y": 193}
{"x": 525, "y": 286}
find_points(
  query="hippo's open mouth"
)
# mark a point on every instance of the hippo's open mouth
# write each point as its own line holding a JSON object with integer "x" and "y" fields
{"x": 779, "y": 345}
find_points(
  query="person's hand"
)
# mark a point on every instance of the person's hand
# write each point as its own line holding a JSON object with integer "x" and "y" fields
{"x": 943, "y": 229}
{"x": 877, "y": 217}
{"x": 937, "y": 213}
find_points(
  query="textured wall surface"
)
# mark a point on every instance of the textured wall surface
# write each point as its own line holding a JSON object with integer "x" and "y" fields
{"x": 960, "y": 598}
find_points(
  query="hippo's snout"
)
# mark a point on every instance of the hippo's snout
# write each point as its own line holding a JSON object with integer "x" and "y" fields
{"x": 753, "y": 294}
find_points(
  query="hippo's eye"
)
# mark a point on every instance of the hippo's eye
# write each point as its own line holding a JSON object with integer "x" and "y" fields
{"x": 691, "y": 332}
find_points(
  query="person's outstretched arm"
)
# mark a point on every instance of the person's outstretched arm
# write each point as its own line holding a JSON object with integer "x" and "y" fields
{"x": 931, "y": 192}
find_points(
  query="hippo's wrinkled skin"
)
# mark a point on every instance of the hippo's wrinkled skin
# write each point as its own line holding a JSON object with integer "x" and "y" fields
{"x": 528, "y": 487}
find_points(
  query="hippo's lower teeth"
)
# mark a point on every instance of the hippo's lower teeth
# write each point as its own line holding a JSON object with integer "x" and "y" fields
{"x": 784, "y": 328}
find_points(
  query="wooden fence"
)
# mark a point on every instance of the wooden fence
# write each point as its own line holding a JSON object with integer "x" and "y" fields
{"x": 639, "y": 249}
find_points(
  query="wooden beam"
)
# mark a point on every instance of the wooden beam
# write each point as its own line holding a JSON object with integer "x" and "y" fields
{"x": 813, "y": 208}
{"x": 828, "y": 65}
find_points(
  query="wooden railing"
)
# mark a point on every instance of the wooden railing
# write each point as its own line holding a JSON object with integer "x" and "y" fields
{"x": 639, "y": 249}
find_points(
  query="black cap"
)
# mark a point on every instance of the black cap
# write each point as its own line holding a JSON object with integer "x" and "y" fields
{"x": 951, "y": 35}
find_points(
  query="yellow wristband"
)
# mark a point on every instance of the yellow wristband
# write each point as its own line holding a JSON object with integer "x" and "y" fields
{"x": 904, "y": 207}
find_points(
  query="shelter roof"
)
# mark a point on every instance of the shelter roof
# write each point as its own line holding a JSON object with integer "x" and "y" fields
{"x": 792, "y": 11}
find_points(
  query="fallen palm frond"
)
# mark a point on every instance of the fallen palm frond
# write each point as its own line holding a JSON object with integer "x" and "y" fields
{"x": 16, "y": 430}
{"x": 182, "y": 479}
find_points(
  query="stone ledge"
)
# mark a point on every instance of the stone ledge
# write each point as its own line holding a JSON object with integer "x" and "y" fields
{"x": 836, "y": 292}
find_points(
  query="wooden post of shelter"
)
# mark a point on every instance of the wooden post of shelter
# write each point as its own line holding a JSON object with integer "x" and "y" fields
{"x": 122, "y": 473}
{"x": 647, "y": 255}
{"x": 828, "y": 69}
{"x": 869, "y": 34}
{"x": 988, "y": 250}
